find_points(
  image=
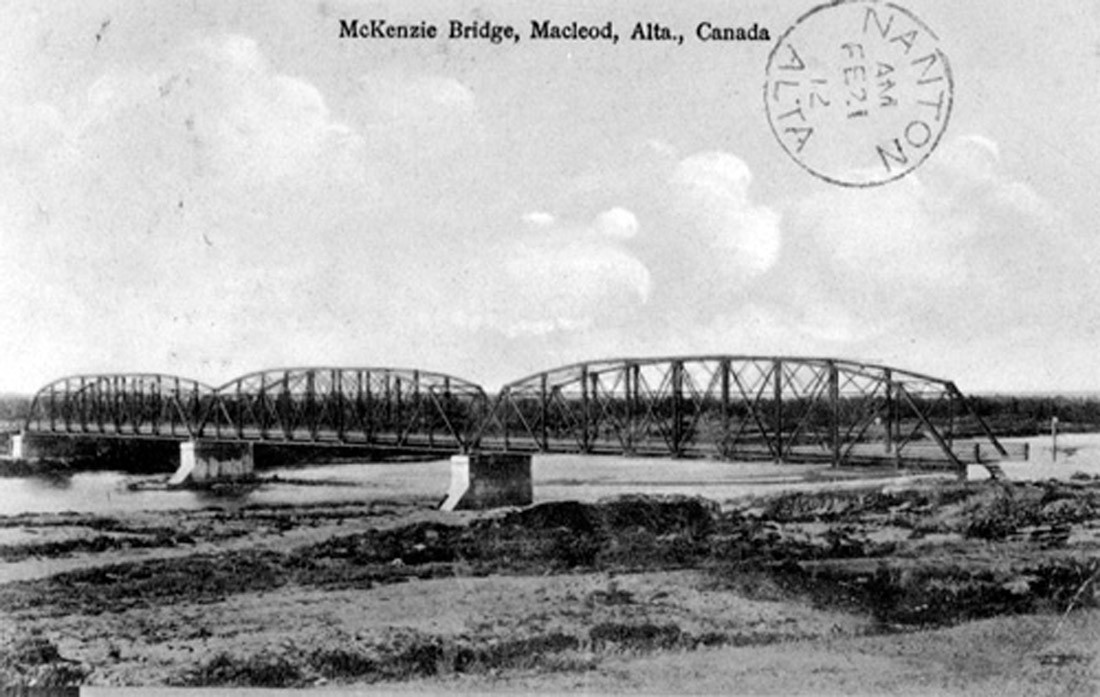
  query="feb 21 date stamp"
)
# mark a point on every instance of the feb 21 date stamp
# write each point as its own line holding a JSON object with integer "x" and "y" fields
{"x": 858, "y": 92}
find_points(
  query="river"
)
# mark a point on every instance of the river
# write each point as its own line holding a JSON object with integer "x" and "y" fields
{"x": 555, "y": 477}
{"x": 111, "y": 492}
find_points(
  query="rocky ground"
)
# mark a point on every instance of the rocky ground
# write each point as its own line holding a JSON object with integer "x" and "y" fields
{"x": 966, "y": 588}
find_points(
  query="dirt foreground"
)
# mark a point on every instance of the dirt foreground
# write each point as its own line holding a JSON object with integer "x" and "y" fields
{"x": 960, "y": 588}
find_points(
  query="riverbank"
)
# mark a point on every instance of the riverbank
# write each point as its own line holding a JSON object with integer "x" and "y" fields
{"x": 938, "y": 588}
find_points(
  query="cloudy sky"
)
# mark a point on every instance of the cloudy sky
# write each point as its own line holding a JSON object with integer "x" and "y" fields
{"x": 207, "y": 188}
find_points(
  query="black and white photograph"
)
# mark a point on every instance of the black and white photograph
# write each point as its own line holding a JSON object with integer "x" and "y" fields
{"x": 715, "y": 347}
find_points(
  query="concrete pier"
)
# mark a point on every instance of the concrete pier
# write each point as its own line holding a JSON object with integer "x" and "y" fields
{"x": 207, "y": 462}
{"x": 489, "y": 480}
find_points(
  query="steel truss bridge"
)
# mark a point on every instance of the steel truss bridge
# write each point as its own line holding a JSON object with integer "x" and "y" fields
{"x": 742, "y": 408}
{"x": 730, "y": 407}
{"x": 373, "y": 407}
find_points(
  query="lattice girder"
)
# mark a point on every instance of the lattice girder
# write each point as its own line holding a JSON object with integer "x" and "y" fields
{"x": 736, "y": 407}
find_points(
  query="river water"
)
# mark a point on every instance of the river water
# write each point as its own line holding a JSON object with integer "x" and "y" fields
{"x": 110, "y": 492}
{"x": 555, "y": 477}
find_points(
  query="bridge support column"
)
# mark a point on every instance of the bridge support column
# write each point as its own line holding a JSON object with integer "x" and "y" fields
{"x": 489, "y": 480}
{"x": 25, "y": 447}
{"x": 207, "y": 462}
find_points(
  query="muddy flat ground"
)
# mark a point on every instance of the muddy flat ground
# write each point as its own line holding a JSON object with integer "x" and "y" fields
{"x": 796, "y": 582}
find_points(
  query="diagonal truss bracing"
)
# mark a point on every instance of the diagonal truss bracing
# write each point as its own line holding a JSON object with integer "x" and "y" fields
{"x": 383, "y": 407}
{"x": 732, "y": 407}
{"x": 741, "y": 407}
{"x": 374, "y": 407}
{"x": 133, "y": 404}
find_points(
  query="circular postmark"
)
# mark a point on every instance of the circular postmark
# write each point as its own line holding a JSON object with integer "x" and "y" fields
{"x": 858, "y": 92}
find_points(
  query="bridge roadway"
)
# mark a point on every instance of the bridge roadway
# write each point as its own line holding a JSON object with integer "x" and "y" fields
{"x": 784, "y": 409}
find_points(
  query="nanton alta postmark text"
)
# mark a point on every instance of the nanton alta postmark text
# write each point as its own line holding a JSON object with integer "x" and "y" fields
{"x": 549, "y": 30}
{"x": 858, "y": 92}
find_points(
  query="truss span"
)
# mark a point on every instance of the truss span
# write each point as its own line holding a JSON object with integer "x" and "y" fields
{"x": 132, "y": 404}
{"x": 372, "y": 407}
{"x": 378, "y": 407}
{"x": 742, "y": 408}
{"x": 733, "y": 407}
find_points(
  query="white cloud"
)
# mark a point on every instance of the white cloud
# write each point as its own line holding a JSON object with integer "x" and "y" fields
{"x": 661, "y": 148}
{"x": 560, "y": 278}
{"x": 893, "y": 234}
{"x": 710, "y": 191}
{"x": 953, "y": 249}
{"x": 617, "y": 222}
{"x": 216, "y": 105}
{"x": 967, "y": 161}
{"x": 269, "y": 124}
{"x": 417, "y": 117}
{"x": 539, "y": 218}
{"x": 203, "y": 205}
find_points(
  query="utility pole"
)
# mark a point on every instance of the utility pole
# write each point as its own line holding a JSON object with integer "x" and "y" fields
{"x": 1054, "y": 439}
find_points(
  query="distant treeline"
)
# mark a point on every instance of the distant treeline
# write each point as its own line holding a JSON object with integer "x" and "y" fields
{"x": 1031, "y": 415}
{"x": 14, "y": 408}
